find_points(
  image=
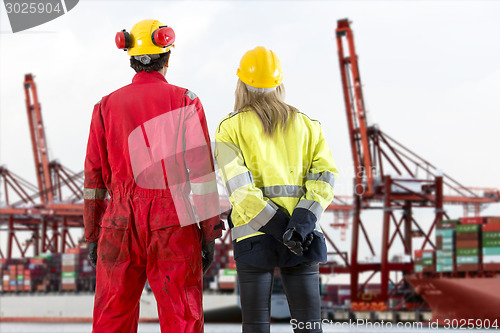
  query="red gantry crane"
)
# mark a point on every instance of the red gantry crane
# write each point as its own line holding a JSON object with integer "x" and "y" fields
{"x": 49, "y": 210}
{"x": 393, "y": 179}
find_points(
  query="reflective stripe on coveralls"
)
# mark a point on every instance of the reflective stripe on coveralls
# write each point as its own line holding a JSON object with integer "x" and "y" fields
{"x": 94, "y": 193}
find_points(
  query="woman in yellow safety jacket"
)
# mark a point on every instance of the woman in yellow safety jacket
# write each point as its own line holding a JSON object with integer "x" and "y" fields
{"x": 279, "y": 174}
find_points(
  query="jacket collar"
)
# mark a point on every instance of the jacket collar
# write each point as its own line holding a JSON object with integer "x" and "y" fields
{"x": 147, "y": 77}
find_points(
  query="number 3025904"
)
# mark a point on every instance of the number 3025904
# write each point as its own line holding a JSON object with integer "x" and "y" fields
{"x": 32, "y": 7}
{"x": 470, "y": 323}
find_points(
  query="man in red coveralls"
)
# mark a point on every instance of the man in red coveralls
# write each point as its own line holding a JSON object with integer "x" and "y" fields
{"x": 149, "y": 149}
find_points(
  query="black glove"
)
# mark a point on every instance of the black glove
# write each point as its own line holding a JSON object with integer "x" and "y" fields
{"x": 277, "y": 225}
{"x": 207, "y": 254}
{"x": 307, "y": 242}
{"x": 303, "y": 221}
{"x": 93, "y": 254}
{"x": 293, "y": 241}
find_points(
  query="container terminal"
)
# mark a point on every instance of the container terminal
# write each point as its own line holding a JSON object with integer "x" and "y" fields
{"x": 453, "y": 273}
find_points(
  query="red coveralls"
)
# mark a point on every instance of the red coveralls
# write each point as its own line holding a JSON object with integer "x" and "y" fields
{"x": 149, "y": 148}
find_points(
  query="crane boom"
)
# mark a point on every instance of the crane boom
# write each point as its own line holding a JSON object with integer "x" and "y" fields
{"x": 38, "y": 140}
{"x": 355, "y": 109}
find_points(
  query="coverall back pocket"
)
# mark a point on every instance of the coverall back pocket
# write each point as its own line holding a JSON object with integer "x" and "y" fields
{"x": 176, "y": 243}
{"x": 113, "y": 245}
{"x": 117, "y": 215}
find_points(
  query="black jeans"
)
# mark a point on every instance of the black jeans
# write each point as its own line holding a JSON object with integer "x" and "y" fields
{"x": 301, "y": 284}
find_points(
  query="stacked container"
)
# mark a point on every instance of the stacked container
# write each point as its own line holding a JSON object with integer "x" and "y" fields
{"x": 218, "y": 262}
{"x": 54, "y": 275}
{"x": 227, "y": 279}
{"x": 418, "y": 261}
{"x": 5, "y": 280}
{"x": 20, "y": 277}
{"x": 491, "y": 244}
{"x": 50, "y": 270}
{"x": 231, "y": 263}
{"x": 428, "y": 261}
{"x": 468, "y": 244}
{"x": 3, "y": 267}
{"x": 47, "y": 272}
{"x": 38, "y": 273}
{"x": 445, "y": 245}
{"x": 344, "y": 295}
{"x": 68, "y": 271}
{"x": 76, "y": 272}
{"x": 12, "y": 277}
{"x": 84, "y": 273}
{"x": 27, "y": 280}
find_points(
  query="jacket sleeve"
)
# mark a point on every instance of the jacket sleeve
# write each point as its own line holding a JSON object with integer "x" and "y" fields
{"x": 259, "y": 213}
{"x": 319, "y": 184}
{"x": 94, "y": 191}
{"x": 199, "y": 162}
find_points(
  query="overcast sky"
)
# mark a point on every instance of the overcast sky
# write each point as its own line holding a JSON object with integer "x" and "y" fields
{"x": 430, "y": 72}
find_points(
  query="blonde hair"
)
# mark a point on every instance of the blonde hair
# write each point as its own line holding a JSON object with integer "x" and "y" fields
{"x": 269, "y": 106}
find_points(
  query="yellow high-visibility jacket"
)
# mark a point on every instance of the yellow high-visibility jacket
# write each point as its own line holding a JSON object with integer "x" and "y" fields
{"x": 292, "y": 170}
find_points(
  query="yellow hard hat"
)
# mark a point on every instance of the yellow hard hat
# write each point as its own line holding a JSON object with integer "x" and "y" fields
{"x": 146, "y": 37}
{"x": 260, "y": 68}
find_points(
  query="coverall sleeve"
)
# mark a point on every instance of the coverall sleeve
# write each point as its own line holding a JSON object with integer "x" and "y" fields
{"x": 257, "y": 212}
{"x": 94, "y": 191}
{"x": 199, "y": 162}
{"x": 319, "y": 186}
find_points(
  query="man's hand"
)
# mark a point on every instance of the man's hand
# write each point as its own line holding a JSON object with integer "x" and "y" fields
{"x": 207, "y": 254}
{"x": 93, "y": 254}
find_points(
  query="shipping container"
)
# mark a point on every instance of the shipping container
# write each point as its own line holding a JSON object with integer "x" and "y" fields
{"x": 467, "y": 260}
{"x": 491, "y": 235}
{"x": 467, "y": 251}
{"x": 491, "y": 251}
{"x": 491, "y": 227}
{"x": 454, "y": 221}
{"x": 461, "y": 228}
{"x": 493, "y": 220}
{"x": 472, "y": 220}
{"x": 467, "y": 267}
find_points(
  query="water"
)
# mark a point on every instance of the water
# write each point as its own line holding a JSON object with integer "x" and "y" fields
{"x": 209, "y": 328}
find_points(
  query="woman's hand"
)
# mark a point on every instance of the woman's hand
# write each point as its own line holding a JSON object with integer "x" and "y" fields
{"x": 307, "y": 242}
{"x": 294, "y": 242}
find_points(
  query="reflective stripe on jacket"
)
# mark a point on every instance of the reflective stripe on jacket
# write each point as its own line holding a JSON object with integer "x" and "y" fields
{"x": 293, "y": 170}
